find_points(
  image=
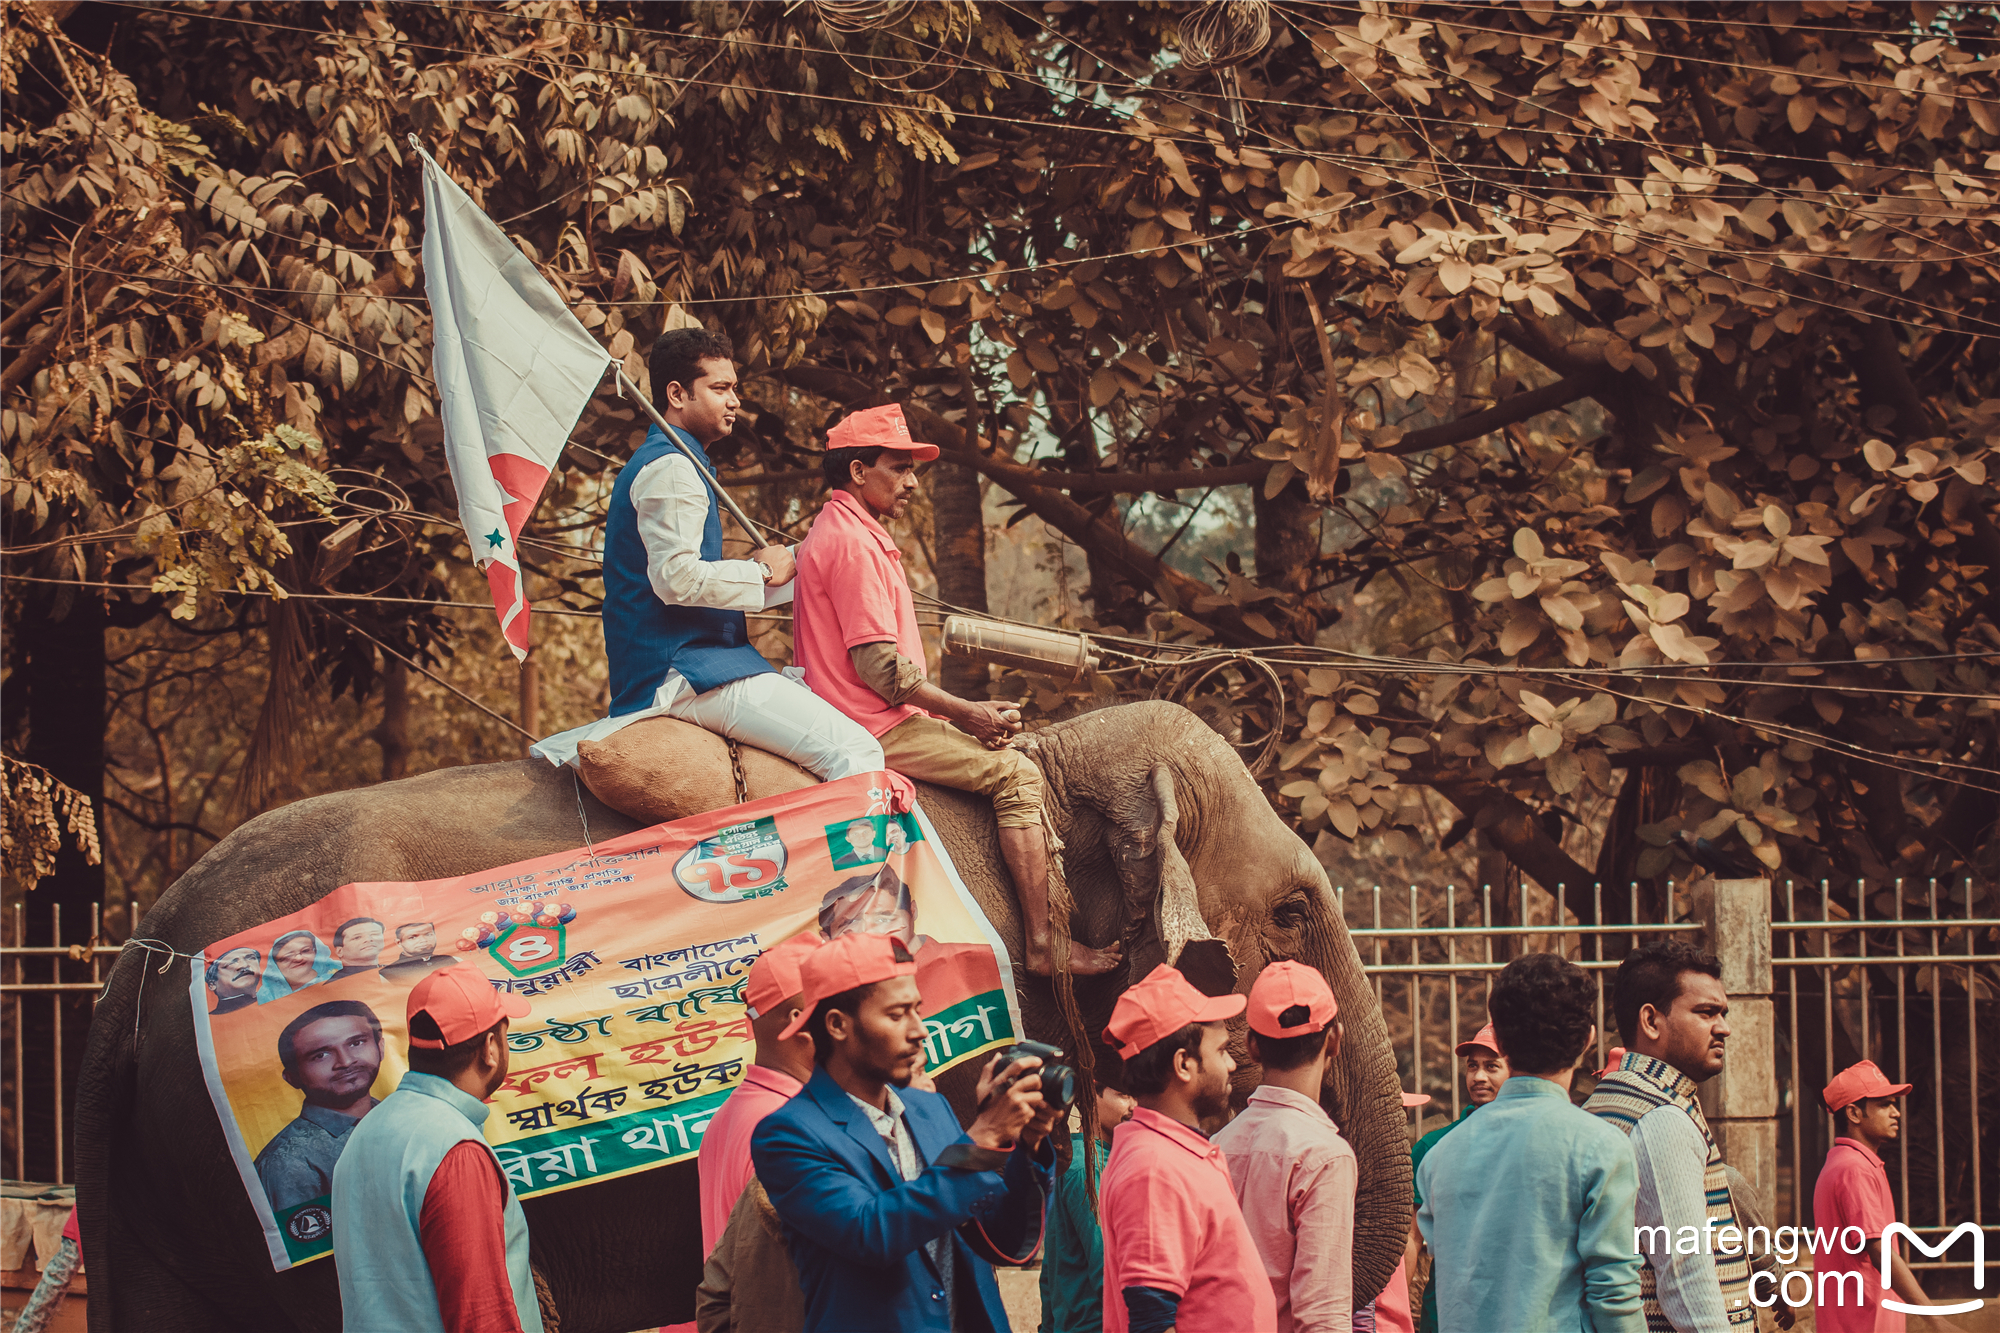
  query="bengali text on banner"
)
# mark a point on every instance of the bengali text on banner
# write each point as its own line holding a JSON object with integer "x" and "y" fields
{"x": 634, "y": 957}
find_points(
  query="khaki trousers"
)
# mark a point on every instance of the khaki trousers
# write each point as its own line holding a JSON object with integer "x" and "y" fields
{"x": 930, "y": 750}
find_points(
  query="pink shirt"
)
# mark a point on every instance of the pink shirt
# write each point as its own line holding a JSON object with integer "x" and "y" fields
{"x": 725, "y": 1145}
{"x": 1392, "y": 1307}
{"x": 1294, "y": 1178}
{"x": 1853, "y": 1191}
{"x": 851, "y": 590}
{"x": 1171, "y": 1222}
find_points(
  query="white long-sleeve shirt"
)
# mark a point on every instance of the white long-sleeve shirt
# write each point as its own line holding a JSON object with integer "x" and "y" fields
{"x": 672, "y": 502}
{"x": 1673, "y": 1193}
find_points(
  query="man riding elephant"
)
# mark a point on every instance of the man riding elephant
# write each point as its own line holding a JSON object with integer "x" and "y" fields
{"x": 675, "y": 634}
{"x": 855, "y": 632}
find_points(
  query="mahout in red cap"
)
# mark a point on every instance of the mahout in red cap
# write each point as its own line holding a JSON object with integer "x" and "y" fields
{"x": 841, "y": 965}
{"x": 1286, "y": 985}
{"x": 878, "y": 428}
{"x": 1858, "y": 1081}
{"x": 774, "y": 977}
{"x": 463, "y": 1003}
{"x": 1161, "y": 1005}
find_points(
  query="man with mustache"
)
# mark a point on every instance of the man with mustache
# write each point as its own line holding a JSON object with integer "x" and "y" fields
{"x": 234, "y": 977}
{"x": 854, "y": 633}
{"x": 675, "y": 632}
{"x": 1177, "y": 1253}
{"x": 889, "y": 1208}
{"x": 1673, "y": 1014}
{"x": 417, "y": 955}
{"x": 330, "y": 1053}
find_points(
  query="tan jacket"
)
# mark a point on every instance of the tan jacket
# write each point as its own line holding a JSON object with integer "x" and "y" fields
{"x": 749, "y": 1284}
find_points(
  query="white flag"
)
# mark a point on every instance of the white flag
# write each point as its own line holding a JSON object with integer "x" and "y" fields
{"x": 514, "y": 369}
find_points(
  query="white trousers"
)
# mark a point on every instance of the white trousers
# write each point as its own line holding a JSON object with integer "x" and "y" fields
{"x": 775, "y": 713}
{"x": 768, "y": 710}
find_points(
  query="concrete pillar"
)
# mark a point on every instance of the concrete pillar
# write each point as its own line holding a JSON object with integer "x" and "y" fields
{"x": 1741, "y": 1102}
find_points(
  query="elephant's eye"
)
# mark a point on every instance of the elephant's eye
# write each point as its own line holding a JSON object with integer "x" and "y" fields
{"x": 1290, "y": 914}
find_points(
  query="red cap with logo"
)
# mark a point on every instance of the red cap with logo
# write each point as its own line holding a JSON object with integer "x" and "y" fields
{"x": 1855, "y": 1082}
{"x": 1161, "y": 1005}
{"x": 841, "y": 965}
{"x": 774, "y": 977}
{"x": 1612, "y": 1059}
{"x": 463, "y": 1004}
{"x": 1289, "y": 985}
{"x": 1484, "y": 1038}
{"x": 878, "y": 428}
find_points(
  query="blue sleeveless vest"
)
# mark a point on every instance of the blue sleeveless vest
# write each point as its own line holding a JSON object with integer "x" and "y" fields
{"x": 379, "y": 1186}
{"x": 644, "y": 638}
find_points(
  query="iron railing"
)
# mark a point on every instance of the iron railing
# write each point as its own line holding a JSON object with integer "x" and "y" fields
{"x": 1845, "y": 989}
{"x": 34, "y": 981}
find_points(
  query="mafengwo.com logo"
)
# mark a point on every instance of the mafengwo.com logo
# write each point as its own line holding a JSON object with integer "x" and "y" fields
{"x": 1838, "y": 1284}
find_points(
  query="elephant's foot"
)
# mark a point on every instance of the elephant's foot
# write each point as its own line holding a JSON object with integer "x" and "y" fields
{"x": 1084, "y": 961}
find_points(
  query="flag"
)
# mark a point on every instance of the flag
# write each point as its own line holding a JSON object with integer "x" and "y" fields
{"x": 514, "y": 368}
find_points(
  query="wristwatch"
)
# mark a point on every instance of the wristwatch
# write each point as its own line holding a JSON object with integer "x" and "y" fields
{"x": 767, "y": 571}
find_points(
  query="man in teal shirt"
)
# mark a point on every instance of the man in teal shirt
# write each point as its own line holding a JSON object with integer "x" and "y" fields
{"x": 1528, "y": 1208}
{"x": 1073, "y": 1244}
{"x": 1485, "y": 1070}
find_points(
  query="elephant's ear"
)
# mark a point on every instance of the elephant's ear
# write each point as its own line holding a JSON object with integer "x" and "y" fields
{"x": 1162, "y": 907}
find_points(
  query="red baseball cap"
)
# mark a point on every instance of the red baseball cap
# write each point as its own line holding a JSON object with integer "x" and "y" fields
{"x": 463, "y": 1003}
{"x": 1161, "y": 1005}
{"x": 841, "y": 965}
{"x": 878, "y": 428}
{"x": 1485, "y": 1038}
{"x": 1853, "y": 1083}
{"x": 1612, "y": 1059}
{"x": 1285, "y": 985}
{"x": 1412, "y": 1100}
{"x": 774, "y": 977}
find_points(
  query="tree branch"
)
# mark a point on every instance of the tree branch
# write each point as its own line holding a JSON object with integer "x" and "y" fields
{"x": 1516, "y": 832}
{"x": 1018, "y": 477}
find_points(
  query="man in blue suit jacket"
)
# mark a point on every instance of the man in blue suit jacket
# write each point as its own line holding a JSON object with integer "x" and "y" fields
{"x": 887, "y": 1206}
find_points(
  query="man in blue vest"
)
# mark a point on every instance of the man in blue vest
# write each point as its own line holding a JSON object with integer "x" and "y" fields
{"x": 427, "y": 1234}
{"x": 675, "y": 631}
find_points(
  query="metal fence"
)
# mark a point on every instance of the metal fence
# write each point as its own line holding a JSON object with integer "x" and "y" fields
{"x": 1912, "y": 992}
{"x": 1916, "y": 994}
{"x": 45, "y": 990}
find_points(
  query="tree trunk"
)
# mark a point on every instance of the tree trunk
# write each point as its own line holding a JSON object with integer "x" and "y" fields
{"x": 1287, "y": 536}
{"x": 62, "y": 671}
{"x": 959, "y": 526}
{"x": 393, "y": 732}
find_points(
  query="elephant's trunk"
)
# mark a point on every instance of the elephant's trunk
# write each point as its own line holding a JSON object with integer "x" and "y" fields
{"x": 1364, "y": 1097}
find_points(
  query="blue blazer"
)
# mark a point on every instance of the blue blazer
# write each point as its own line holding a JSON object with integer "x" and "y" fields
{"x": 857, "y": 1229}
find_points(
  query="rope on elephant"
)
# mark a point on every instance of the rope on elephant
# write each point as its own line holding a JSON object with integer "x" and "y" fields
{"x": 1082, "y": 1053}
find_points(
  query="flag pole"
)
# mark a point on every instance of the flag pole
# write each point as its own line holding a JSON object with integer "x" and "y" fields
{"x": 627, "y": 389}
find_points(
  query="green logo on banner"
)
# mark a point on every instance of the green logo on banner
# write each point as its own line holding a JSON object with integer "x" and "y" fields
{"x": 527, "y": 949}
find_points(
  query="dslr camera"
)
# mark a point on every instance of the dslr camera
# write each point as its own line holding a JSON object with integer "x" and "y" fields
{"x": 1058, "y": 1079}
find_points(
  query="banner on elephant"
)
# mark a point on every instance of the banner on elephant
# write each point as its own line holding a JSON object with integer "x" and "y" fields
{"x": 634, "y": 954}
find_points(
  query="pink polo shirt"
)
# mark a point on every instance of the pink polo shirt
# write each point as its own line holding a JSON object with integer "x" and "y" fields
{"x": 725, "y": 1145}
{"x": 1853, "y": 1191}
{"x": 1171, "y": 1222}
{"x": 851, "y": 590}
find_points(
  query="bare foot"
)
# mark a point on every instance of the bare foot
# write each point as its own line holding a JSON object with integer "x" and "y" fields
{"x": 1084, "y": 961}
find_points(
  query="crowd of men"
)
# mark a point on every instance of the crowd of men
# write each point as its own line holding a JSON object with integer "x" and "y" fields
{"x": 840, "y": 1192}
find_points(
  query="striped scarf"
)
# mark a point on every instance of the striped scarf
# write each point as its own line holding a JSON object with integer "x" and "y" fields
{"x": 1643, "y": 1084}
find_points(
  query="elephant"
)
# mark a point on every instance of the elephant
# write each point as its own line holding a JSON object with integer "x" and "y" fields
{"x": 1170, "y": 845}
